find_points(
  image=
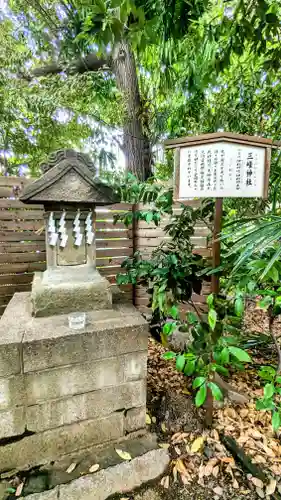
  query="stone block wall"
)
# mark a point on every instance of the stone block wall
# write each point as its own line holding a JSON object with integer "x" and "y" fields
{"x": 63, "y": 390}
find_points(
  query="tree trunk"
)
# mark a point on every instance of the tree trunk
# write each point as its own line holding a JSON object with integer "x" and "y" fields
{"x": 136, "y": 143}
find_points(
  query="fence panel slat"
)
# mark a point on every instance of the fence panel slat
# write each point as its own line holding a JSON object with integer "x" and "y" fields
{"x": 21, "y": 215}
{"x": 22, "y": 267}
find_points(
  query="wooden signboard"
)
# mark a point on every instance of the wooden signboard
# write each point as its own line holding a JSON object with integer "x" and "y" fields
{"x": 220, "y": 165}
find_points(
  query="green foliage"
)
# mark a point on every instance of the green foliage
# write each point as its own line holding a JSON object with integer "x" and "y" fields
{"x": 257, "y": 272}
{"x": 256, "y": 237}
{"x": 271, "y": 395}
{"x": 152, "y": 193}
{"x": 216, "y": 392}
{"x": 201, "y": 395}
{"x": 171, "y": 274}
{"x": 176, "y": 46}
{"x": 212, "y": 350}
{"x": 39, "y": 117}
{"x": 239, "y": 354}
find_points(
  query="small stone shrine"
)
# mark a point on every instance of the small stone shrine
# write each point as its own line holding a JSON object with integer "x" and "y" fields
{"x": 63, "y": 390}
{"x": 69, "y": 194}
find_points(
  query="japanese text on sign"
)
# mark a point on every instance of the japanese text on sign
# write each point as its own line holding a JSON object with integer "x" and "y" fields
{"x": 221, "y": 170}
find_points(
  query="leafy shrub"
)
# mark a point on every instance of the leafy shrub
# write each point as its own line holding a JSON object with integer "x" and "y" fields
{"x": 214, "y": 348}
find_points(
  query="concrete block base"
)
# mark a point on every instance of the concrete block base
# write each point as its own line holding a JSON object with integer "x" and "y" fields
{"x": 66, "y": 289}
{"x": 148, "y": 462}
{"x": 69, "y": 389}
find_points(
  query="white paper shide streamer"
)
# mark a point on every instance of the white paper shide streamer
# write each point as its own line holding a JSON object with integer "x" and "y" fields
{"x": 77, "y": 230}
{"x": 62, "y": 230}
{"x": 89, "y": 229}
{"x": 53, "y": 235}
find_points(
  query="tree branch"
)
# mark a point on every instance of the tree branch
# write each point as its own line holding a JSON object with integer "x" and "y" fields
{"x": 118, "y": 142}
{"x": 91, "y": 62}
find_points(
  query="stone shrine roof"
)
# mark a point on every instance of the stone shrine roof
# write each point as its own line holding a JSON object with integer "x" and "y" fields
{"x": 69, "y": 177}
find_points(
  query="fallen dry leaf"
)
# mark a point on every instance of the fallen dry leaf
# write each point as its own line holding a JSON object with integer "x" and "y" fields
{"x": 165, "y": 482}
{"x": 197, "y": 445}
{"x": 94, "y": 468}
{"x": 271, "y": 487}
{"x": 215, "y": 434}
{"x": 227, "y": 460}
{"x": 218, "y": 491}
{"x": 235, "y": 484}
{"x": 163, "y": 427}
{"x": 165, "y": 446}
{"x": 257, "y": 482}
{"x": 231, "y": 413}
{"x": 268, "y": 451}
{"x": 123, "y": 454}
{"x": 242, "y": 439}
{"x": 176, "y": 435}
{"x": 201, "y": 481}
{"x": 177, "y": 450}
{"x": 201, "y": 471}
{"x": 219, "y": 447}
{"x": 244, "y": 412}
{"x": 209, "y": 467}
{"x": 181, "y": 467}
{"x": 215, "y": 471}
{"x": 175, "y": 473}
{"x": 260, "y": 492}
{"x": 255, "y": 434}
{"x": 147, "y": 419}
{"x": 71, "y": 468}
{"x": 19, "y": 490}
{"x": 185, "y": 479}
{"x": 259, "y": 459}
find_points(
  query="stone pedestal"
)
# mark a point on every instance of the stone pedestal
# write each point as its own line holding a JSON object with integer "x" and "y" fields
{"x": 63, "y": 390}
{"x": 65, "y": 289}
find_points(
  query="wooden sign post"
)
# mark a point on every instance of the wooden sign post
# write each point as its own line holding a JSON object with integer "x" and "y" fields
{"x": 220, "y": 165}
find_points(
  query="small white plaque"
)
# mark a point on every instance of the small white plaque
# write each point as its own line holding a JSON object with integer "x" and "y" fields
{"x": 90, "y": 238}
{"x": 53, "y": 239}
{"x": 62, "y": 223}
{"x": 77, "y": 217}
{"x": 221, "y": 170}
{"x": 78, "y": 239}
{"x": 63, "y": 241}
{"x": 89, "y": 219}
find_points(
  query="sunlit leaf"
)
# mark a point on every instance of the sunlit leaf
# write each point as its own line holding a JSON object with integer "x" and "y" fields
{"x": 239, "y": 354}
{"x": 201, "y": 395}
{"x": 276, "y": 420}
{"x": 197, "y": 445}
{"x": 71, "y": 468}
{"x": 123, "y": 454}
{"x": 94, "y": 468}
